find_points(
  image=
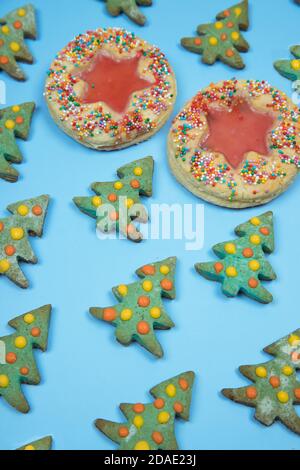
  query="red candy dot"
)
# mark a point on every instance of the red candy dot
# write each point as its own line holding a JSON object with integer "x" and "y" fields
{"x": 226, "y": 13}
{"x": 143, "y": 328}
{"x": 1, "y": 42}
{"x": 230, "y": 24}
{"x": 248, "y": 253}
{"x": 109, "y": 314}
{"x": 9, "y": 250}
{"x": 18, "y": 24}
{"x": 148, "y": 270}
{"x": 157, "y": 437}
{"x": 19, "y": 120}
{"x": 159, "y": 403}
{"x": 114, "y": 216}
{"x": 183, "y": 384}
{"x": 37, "y": 210}
{"x": 1, "y": 226}
{"x": 112, "y": 197}
{"x": 230, "y": 53}
{"x": 138, "y": 408}
{"x": 253, "y": 283}
{"x": 130, "y": 229}
{"x": 123, "y": 431}
{"x": 4, "y": 60}
{"x": 178, "y": 407}
{"x": 166, "y": 284}
{"x": 24, "y": 371}
{"x": 297, "y": 393}
{"x": 197, "y": 41}
{"x": 264, "y": 231}
{"x": 135, "y": 184}
{"x": 143, "y": 301}
{"x": 11, "y": 358}
{"x": 251, "y": 393}
{"x": 274, "y": 381}
{"x": 35, "y": 332}
{"x": 218, "y": 267}
{"x": 223, "y": 36}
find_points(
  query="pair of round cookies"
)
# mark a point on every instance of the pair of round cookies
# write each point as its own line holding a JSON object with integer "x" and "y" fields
{"x": 235, "y": 144}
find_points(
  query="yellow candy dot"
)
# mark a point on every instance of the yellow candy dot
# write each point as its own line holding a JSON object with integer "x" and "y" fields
{"x": 142, "y": 445}
{"x": 261, "y": 372}
{"x": 4, "y": 381}
{"x": 30, "y": 447}
{"x": 219, "y": 25}
{"x": 15, "y": 47}
{"x": 126, "y": 314}
{"x": 283, "y": 397}
{"x": 147, "y": 286}
{"x": 96, "y": 201}
{"x": 287, "y": 370}
{"x": 294, "y": 340}
{"x": 29, "y": 318}
{"x": 238, "y": 11}
{"x": 5, "y": 29}
{"x": 9, "y": 124}
{"x": 118, "y": 185}
{"x": 22, "y": 12}
{"x": 255, "y": 221}
{"x": 163, "y": 417}
{"x": 17, "y": 233}
{"x": 155, "y": 312}
{"x": 138, "y": 421}
{"x": 171, "y": 390}
{"x": 254, "y": 265}
{"x": 235, "y": 36}
{"x": 123, "y": 290}
{"x": 164, "y": 269}
{"x": 230, "y": 248}
{"x": 16, "y": 108}
{"x": 129, "y": 202}
{"x": 255, "y": 239}
{"x": 295, "y": 64}
{"x": 4, "y": 266}
{"x": 213, "y": 41}
{"x": 20, "y": 342}
{"x": 23, "y": 210}
{"x": 138, "y": 171}
{"x": 231, "y": 271}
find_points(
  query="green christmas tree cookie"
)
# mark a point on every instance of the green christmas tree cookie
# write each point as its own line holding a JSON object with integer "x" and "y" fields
{"x": 14, "y": 123}
{"x": 276, "y": 388}
{"x": 290, "y": 68}
{"x": 15, "y": 27}
{"x": 243, "y": 264}
{"x": 129, "y": 7}
{"x": 41, "y": 444}
{"x": 117, "y": 203}
{"x": 27, "y": 219}
{"x": 151, "y": 426}
{"x": 222, "y": 39}
{"x": 140, "y": 308}
{"x": 17, "y": 363}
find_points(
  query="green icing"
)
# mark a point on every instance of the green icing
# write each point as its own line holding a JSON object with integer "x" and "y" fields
{"x": 243, "y": 264}
{"x": 222, "y": 40}
{"x": 144, "y": 429}
{"x": 276, "y": 389}
{"x": 41, "y": 444}
{"x": 16, "y": 26}
{"x": 17, "y": 362}
{"x": 129, "y": 7}
{"x": 286, "y": 68}
{"x": 157, "y": 282}
{"x": 130, "y": 186}
{"x": 14, "y": 123}
{"x": 19, "y": 249}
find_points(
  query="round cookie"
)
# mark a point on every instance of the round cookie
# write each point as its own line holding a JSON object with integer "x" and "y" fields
{"x": 236, "y": 143}
{"x": 109, "y": 89}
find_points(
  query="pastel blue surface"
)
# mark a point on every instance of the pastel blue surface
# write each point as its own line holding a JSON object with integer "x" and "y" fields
{"x": 85, "y": 372}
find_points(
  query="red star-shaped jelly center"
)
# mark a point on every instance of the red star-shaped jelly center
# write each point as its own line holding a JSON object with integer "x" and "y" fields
{"x": 112, "y": 81}
{"x": 237, "y": 131}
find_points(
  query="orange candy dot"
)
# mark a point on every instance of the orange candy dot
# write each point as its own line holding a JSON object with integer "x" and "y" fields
{"x": 274, "y": 381}
{"x": 183, "y": 384}
{"x": 251, "y": 393}
{"x": 24, "y": 371}
{"x": 9, "y": 250}
{"x": 178, "y": 407}
{"x": 159, "y": 403}
{"x": 253, "y": 283}
{"x": 123, "y": 431}
{"x": 11, "y": 358}
{"x": 143, "y": 301}
{"x": 226, "y": 13}
{"x": 35, "y": 332}
{"x": 197, "y": 41}
{"x": 138, "y": 408}
{"x": 166, "y": 284}
{"x": 1, "y": 42}
{"x": 264, "y": 231}
{"x": 18, "y": 24}
{"x": 248, "y": 253}
{"x": 157, "y": 437}
{"x": 112, "y": 197}
{"x": 297, "y": 393}
{"x": 135, "y": 184}
{"x": 148, "y": 270}
{"x": 1, "y": 226}
{"x": 218, "y": 267}
{"x": 37, "y": 210}
{"x": 223, "y": 36}
{"x": 230, "y": 24}
{"x": 143, "y": 328}
{"x": 114, "y": 215}
{"x": 229, "y": 53}
{"x": 4, "y": 60}
{"x": 109, "y": 314}
{"x": 19, "y": 120}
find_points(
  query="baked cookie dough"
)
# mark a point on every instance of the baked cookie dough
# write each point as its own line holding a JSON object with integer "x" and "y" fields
{"x": 109, "y": 89}
{"x": 236, "y": 143}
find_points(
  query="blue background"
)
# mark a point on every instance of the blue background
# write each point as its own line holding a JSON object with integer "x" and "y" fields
{"x": 85, "y": 372}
